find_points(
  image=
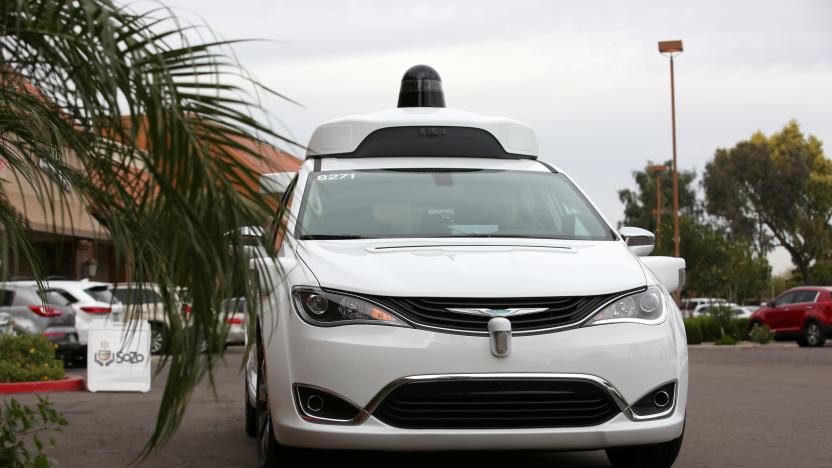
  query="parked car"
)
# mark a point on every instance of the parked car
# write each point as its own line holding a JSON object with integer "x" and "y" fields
{"x": 803, "y": 314}
{"x": 143, "y": 301}
{"x": 706, "y": 309}
{"x": 45, "y": 313}
{"x": 438, "y": 287}
{"x": 691, "y": 305}
{"x": 89, "y": 299}
{"x": 234, "y": 310}
{"x": 747, "y": 311}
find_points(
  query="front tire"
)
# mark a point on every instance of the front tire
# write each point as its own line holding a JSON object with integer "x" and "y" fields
{"x": 268, "y": 450}
{"x": 812, "y": 335}
{"x": 251, "y": 415}
{"x": 646, "y": 456}
{"x": 158, "y": 338}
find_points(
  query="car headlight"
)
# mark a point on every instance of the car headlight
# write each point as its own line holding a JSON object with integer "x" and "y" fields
{"x": 648, "y": 307}
{"x": 328, "y": 309}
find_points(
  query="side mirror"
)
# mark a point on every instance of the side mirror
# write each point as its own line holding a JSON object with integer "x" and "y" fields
{"x": 670, "y": 271}
{"x": 251, "y": 242}
{"x": 640, "y": 241}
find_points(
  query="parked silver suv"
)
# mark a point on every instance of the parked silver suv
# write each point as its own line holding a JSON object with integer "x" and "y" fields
{"x": 43, "y": 312}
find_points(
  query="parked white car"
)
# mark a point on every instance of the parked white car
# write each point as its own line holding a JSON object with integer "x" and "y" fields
{"x": 694, "y": 304}
{"x": 143, "y": 301}
{"x": 438, "y": 287}
{"x": 89, "y": 299}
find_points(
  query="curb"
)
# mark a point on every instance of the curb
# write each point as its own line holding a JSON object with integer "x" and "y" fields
{"x": 69, "y": 384}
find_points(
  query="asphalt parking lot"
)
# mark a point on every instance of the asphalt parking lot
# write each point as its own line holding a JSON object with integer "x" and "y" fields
{"x": 749, "y": 407}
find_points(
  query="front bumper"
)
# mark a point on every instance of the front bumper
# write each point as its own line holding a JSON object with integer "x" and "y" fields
{"x": 357, "y": 362}
{"x": 375, "y": 435}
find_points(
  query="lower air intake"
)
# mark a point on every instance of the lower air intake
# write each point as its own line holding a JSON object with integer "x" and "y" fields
{"x": 496, "y": 404}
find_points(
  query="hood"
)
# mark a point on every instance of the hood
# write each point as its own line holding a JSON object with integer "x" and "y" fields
{"x": 473, "y": 267}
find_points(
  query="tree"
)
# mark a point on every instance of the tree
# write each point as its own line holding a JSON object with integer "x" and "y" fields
{"x": 775, "y": 190}
{"x": 640, "y": 204}
{"x": 717, "y": 263}
{"x": 121, "y": 109}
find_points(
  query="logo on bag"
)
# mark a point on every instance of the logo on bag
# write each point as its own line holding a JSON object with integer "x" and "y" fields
{"x": 104, "y": 357}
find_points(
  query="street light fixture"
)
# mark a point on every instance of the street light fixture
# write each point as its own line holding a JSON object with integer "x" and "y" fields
{"x": 672, "y": 49}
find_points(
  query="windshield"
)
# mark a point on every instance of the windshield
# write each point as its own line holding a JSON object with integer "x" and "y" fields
{"x": 101, "y": 294}
{"x": 387, "y": 203}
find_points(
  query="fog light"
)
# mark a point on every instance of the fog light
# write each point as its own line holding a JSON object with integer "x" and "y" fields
{"x": 661, "y": 399}
{"x": 315, "y": 403}
{"x": 318, "y": 405}
{"x": 656, "y": 403}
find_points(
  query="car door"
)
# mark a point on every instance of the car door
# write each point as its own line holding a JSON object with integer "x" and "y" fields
{"x": 775, "y": 317}
{"x": 795, "y": 314}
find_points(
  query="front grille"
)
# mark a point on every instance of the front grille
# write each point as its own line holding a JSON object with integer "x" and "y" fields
{"x": 496, "y": 403}
{"x": 432, "y": 312}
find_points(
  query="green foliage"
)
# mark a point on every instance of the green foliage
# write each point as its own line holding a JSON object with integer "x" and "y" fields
{"x": 776, "y": 190}
{"x": 707, "y": 329}
{"x": 726, "y": 340}
{"x": 640, "y": 203}
{"x": 27, "y": 358}
{"x": 718, "y": 264}
{"x": 693, "y": 330}
{"x": 158, "y": 130}
{"x": 23, "y": 428}
{"x": 761, "y": 334}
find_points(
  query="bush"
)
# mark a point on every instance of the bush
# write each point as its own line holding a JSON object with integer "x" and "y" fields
{"x": 727, "y": 340}
{"x": 710, "y": 328}
{"x": 27, "y": 358}
{"x": 25, "y": 427}
{"x": 737, "y": 328}
{"x": 761, "y": 334}
{"x": 693, "y": 330}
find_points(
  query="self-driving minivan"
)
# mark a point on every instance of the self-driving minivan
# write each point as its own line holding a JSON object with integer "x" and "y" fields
{"x": 438, "y": 286}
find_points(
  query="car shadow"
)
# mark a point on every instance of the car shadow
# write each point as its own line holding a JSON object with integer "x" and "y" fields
{"x": 367, "y": 459}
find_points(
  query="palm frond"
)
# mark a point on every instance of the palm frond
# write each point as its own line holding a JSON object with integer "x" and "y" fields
{"x": 123, "y": 110}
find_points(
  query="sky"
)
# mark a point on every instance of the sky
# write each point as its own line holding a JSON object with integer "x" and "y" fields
{"x": 586, "y": 75}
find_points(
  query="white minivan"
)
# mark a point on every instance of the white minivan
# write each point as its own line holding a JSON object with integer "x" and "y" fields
{"x": 438, "y": 287}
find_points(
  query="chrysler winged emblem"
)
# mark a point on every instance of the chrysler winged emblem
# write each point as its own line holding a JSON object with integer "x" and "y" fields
{"x": 497, "y": 312}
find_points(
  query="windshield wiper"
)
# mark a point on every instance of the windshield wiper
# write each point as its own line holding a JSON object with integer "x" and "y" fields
{"x": 330, "y": 237}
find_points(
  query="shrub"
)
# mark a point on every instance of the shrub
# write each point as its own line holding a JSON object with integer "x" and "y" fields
{"x": 693, "y": 330}
{"x": 761, "y": 334}
{"x": 710, "y": 329}
{"x": 20, "y": 422}
{"x": 26, "y": 358}
{"x": 738, "y": 329}
{"x": 726, "y": 340}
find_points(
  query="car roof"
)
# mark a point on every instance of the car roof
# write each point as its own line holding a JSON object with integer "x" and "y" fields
{"x": 346, "y": 164}
{"x": 344, "y": 136}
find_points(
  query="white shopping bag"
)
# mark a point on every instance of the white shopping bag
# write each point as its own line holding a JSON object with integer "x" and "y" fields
{"x": 118, "y": 357}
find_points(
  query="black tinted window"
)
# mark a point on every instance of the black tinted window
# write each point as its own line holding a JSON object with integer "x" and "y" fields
{"x": 785, "y": 299}
{"x": 6, "y": 297}
{"x": 52, "y": 297}
{"x": 137, "y": 296}
{"x": 100, "y": 293}
{"x": 804, "y": 296}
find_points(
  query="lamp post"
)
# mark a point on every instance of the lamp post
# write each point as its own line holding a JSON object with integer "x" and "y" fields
{"x": 672, "y": 49}
{"x": 657, "y": 170}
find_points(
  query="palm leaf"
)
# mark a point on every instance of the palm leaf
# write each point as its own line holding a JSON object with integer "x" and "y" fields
{"x": 124, "y": 110}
